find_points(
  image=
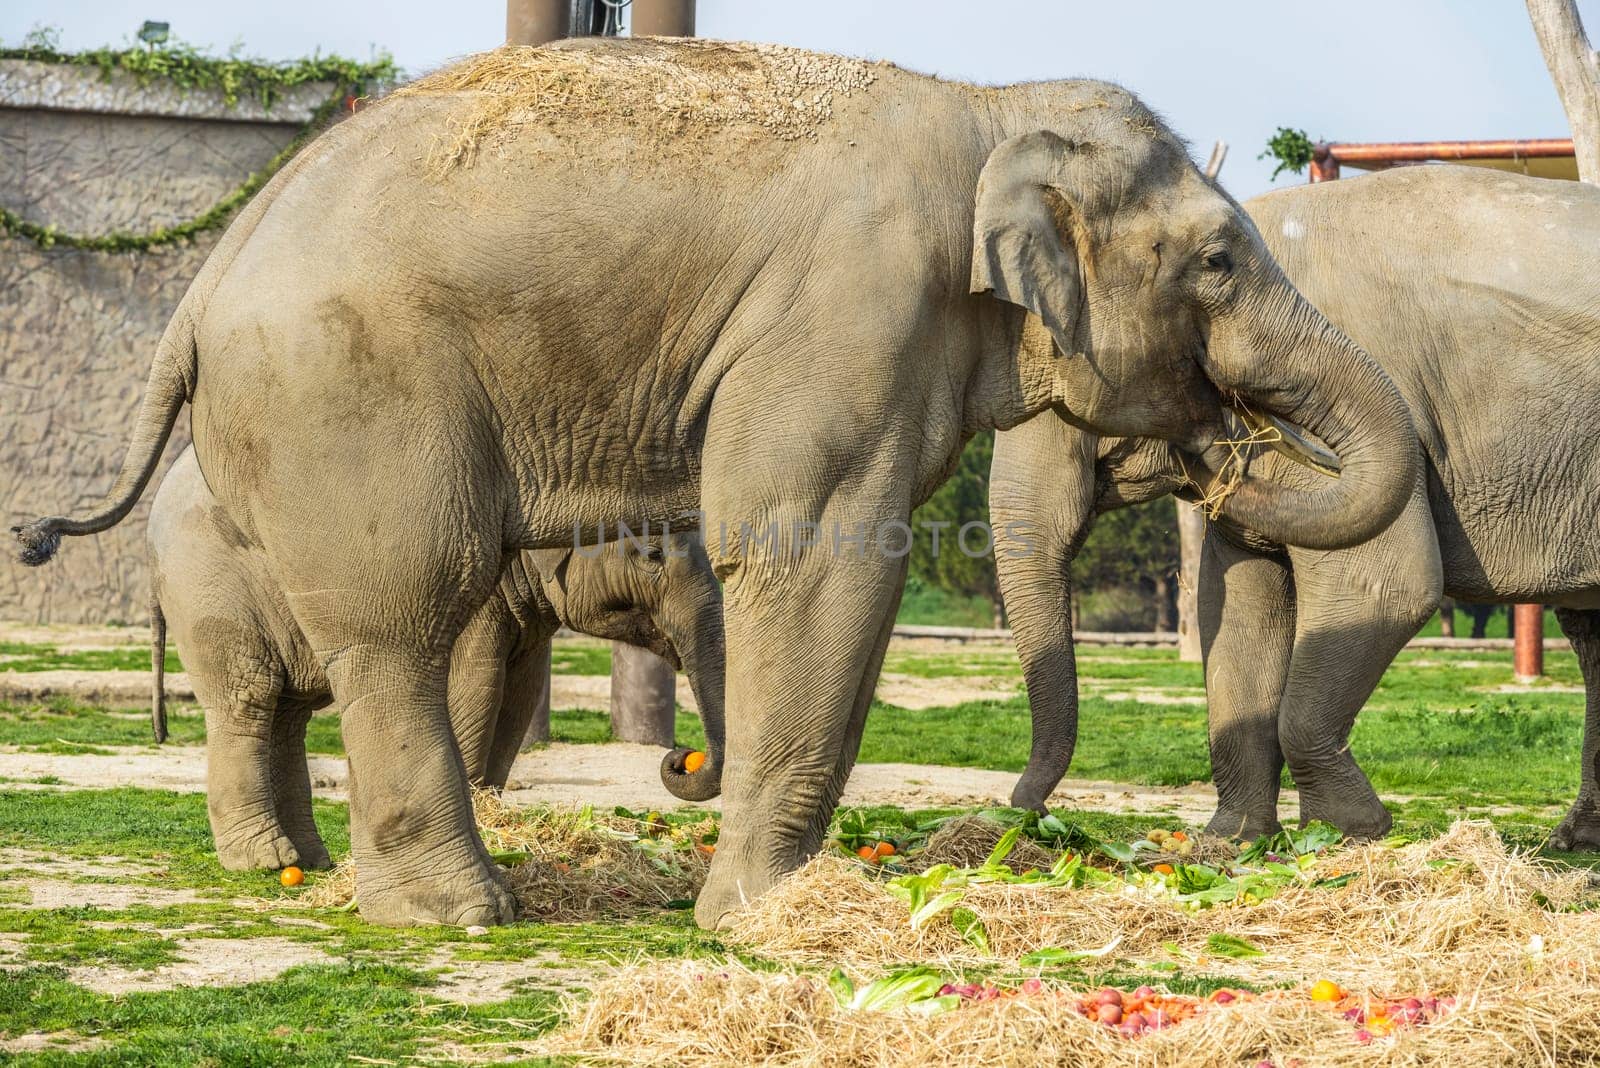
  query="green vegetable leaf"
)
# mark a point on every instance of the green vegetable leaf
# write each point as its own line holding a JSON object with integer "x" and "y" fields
{"x": 1050, "y": 955}
{"x": 1227, "y": 945}
{"x": 971, "y": 928}
{"x": 896, "y": 991}
{"x": 1002, "y": 849}
{"x": 841, "y": 986}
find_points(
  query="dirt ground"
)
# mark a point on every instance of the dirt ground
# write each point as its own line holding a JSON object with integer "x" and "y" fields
{"x": 617, "y": 773}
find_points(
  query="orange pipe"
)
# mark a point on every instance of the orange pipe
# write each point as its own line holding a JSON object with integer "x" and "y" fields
{"x": 1529, "y": 646}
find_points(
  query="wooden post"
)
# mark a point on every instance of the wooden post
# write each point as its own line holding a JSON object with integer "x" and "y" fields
{"x": 644, "y": 686}
{"x": 533, "y": 22}
{"x": 643, "y": 696}
{"x": 662, "y": 18}
{"x": 1529, "y": 642}
{"x": 1575, "y": 69}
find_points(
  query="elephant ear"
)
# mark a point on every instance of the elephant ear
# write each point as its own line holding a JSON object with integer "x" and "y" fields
{"x": 1018, "y": 250}
{"x": 551, "y": 565}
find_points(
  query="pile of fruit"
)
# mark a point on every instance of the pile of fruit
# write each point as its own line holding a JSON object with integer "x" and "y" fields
{"x": 1136, "y": 1012}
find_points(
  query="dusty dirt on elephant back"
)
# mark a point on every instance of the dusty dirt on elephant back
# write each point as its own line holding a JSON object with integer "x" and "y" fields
{"x": 667, "y": 90}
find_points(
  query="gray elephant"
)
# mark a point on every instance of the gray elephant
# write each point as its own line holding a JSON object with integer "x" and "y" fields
{"x": 259, "y": 680}
{"x": 781, "y": 287}
{"x": 1477, "y": 292}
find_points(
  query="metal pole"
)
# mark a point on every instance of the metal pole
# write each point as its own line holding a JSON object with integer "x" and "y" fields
{"x": 662, "y": 18}
{"x": 1529, "y": 642}
{"x": 644, "y": 686}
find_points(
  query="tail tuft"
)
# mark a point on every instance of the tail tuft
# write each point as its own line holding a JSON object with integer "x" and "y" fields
{"x": 39, "y": 540}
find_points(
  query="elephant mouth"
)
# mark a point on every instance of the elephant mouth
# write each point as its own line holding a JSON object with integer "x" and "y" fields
{"x": 1282, "y": 436}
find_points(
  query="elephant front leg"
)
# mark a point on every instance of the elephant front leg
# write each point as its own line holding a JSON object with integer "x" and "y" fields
{"x": 1356, "y": 609}
{"x": 478, "y": 684}
{"x": 526, "y": 693}
{"x": 291, "y": 783}
{"x": 805, "y": 631}
{"x": 1580, "y": 830}
{"x": 1246, "y": 609}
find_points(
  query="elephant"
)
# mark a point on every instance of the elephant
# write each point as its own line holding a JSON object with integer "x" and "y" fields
{"x": 1476, "y": 292}
{"x": 259, "y": 681}
{"x": 548, "y": 290}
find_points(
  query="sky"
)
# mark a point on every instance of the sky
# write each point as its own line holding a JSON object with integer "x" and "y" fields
{"x": 1344, "y": 70}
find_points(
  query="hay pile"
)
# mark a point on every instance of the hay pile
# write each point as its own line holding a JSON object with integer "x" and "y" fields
{"x": 694, "y": 1013}
{"x": 668, "y": 88}
{"x": 1459, "y": 915}
{"x": 578, "y": 864}
{"x": 1416, "y": 917}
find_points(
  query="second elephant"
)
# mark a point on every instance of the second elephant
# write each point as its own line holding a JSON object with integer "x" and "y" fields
{"x": 1477, "y": 293}
{"x": 259, "y": 679}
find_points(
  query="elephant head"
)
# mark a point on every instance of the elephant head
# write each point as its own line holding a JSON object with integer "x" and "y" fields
{"x": 658, "y": 593}
{"x": 1155, "y": 304}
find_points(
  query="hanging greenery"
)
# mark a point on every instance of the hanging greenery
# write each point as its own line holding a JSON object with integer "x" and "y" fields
{"x": 187, "y": 67}
{"x": 1291, "y": 148}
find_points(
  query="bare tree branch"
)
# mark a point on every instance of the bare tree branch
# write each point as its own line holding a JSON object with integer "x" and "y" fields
{"x": 1576, "y": 71}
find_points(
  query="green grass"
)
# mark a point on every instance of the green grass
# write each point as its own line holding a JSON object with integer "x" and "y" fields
{"x": 924, "y": 605}
{"x": 33, "y": 656}
{"x": 1435, "y": 727}
{"x": 310, "y": 1015}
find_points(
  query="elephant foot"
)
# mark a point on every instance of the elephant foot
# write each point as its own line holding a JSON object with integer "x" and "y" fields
{"x": 265, "y": 848}
{"x": 478, "y": 897}
{"x": 1579, "y": 832}
{"x": 313, "y": 854}
{"x": 728, "y": 889}
{"x": 1243, "y": 825}
{"x": 1356, "y": 812}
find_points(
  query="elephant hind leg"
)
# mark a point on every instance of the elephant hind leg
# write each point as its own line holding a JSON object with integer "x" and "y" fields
{"x": 240, "y": 793}
{"x": 1580, "y": 830}
{"x": 386, "y": 652}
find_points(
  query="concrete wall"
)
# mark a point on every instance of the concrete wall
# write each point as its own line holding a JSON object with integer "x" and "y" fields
{"x": 77, "y": 329}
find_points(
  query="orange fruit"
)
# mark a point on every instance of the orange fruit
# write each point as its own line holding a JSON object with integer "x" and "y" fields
{"x": 885, "y": 849}
{"x": 291, "y": 876}
{"x": 708, "y": 850}
{"x": 868, "y": 854}
{"x": 1162, "y": 869}
{"x": 693, "y": 762}
{"x": 563, "y": 867}
{"x": 1326, "y": 990}
{"x": 1180, "y": 836}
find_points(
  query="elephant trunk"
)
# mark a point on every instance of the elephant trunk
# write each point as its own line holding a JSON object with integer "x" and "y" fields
{"x": 1279, "y": 357}
{"x": 699, "y": 641}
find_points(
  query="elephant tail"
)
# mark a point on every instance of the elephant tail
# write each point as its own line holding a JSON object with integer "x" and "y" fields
{"x": 170, "y": 386}
{"x": 158, "y": 670}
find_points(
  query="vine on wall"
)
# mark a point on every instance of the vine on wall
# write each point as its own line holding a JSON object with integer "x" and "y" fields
{"x": 190, "y": 69}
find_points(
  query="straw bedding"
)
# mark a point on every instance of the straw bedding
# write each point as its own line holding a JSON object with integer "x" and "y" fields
{"x": 1458, "y": 916}
{"x": 572, "y": 864}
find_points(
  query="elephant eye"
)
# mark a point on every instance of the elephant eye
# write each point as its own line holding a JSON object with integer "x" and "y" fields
{"x": 654, "y": 555}
{"x": 1219, "y": 261}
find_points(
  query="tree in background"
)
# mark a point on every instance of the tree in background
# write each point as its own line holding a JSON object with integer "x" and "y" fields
{"x": 1134, "y": 550}
{"x": 963, "y": 499}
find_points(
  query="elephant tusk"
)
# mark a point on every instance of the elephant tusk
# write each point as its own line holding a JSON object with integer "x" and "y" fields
{"x": 1288, "y": 439}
